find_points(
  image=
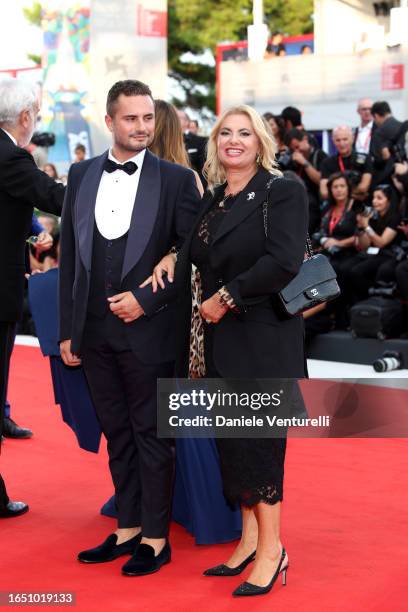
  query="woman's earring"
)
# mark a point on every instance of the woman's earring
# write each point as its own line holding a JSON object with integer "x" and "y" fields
{"x": 258, "y": 159}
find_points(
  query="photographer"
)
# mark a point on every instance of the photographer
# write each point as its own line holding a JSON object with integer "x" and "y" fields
{"x": 356, "y": 166}
{"x": 336, "y": 237}
{"x": 306, "y": 160}
{"x": 388, "y": 143}
{"x": 378, "y": 237}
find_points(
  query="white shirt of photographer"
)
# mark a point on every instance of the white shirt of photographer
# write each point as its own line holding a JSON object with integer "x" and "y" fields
{"x": 364, "y": 138}
{"x": 116, "y": 198}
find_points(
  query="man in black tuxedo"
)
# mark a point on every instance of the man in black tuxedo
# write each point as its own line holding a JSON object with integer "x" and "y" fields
{"x": 22, "y": 186}
{"x": 124, "y": 210}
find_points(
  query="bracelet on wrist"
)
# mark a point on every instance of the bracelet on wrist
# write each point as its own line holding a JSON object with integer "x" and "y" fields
{"x": 225, "y": 298}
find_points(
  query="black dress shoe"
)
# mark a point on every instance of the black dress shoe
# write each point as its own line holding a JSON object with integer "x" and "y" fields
{"x": 144, "y": 562}
{"x": 247, "y": 588}
{"x": 109, "y": 550}
{"x": 12, "y": 430}
{"x": 224, "y": 570}
{"x": 13, "y": 509}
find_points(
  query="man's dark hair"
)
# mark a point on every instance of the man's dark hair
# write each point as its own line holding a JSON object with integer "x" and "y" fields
{"x": 381, "y": 108}
{"x": 294, "y": 134}
{"x": 292, "y": 114}
{"x": 127, "y": 88}
{"x": 80, "y": 147}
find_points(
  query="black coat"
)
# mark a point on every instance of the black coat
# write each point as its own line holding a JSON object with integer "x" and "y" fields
{"x": 259, "y": 341}
{"x": 166, "y": 204}
{"x": 22, "y": 186}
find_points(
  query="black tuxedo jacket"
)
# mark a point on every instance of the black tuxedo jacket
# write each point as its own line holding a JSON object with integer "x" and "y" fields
{"x": 22, "y": 186}
{"x": 259, "y": 341}
{"x": 166, "y": 204}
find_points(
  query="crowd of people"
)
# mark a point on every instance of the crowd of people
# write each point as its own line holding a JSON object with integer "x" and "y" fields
{"x": 358, "y": 214}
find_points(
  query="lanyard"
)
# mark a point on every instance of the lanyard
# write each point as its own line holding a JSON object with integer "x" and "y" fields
{"x": 334, "y": 220}
{"x": 341, "y": 164}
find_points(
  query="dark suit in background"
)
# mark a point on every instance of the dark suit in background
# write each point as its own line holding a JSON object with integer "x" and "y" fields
{"x": 22, "y": 186}
{"x": 122, "y": 361}
{"x": 196, "y": 147}
{"x": 385, "y": 136}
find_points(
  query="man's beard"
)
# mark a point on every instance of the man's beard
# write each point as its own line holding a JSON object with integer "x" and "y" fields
{"x": 136, "y": 146}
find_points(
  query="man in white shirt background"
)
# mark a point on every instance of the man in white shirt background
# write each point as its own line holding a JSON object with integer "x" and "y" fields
{"x": 364, "y": 131}
{"x": 124, "y": 211}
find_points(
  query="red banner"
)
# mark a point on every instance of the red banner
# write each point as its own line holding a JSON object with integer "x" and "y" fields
{"x": 151, "y": 23}
{"x": 392, "y": 76}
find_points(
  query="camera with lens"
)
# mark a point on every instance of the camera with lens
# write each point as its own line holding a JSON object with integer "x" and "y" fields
{"x": 354, "y": 176}
{"x": 318, "y": 240}
{"x": 390, "y": 360}
{"x": 398, "y": 252}
{"x": 43, "y": 139}
{"x": 399, "y": 153}
{"x": 383, "y": 289}
{"x": 286, "y": 162}
{"x": 359, "y": 208}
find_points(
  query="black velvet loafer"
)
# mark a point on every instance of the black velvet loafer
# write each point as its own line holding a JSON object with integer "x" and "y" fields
{"x": 144, "y": 562}
{"x": 12, "y": 430}
{"x": 109, "y": 550}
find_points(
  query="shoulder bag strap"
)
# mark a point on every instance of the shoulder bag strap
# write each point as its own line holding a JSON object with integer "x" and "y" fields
{"x": 309, "y": 248}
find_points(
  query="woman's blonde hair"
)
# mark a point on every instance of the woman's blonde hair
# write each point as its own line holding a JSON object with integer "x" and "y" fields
{"x": 213, "y": 169}
{"x": 168, "y": 140}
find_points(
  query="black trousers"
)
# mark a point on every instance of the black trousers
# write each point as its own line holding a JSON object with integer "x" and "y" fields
{"x": 6, "y": 346}
{"x": 124, "y": 393}
{"x": 4, "y": 499}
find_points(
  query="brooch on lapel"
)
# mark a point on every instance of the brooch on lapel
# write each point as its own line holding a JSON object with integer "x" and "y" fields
{"x": 251, "y": 195}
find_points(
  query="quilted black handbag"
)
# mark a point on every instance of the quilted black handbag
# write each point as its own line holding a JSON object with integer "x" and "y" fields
{"x": 314, "y": 284}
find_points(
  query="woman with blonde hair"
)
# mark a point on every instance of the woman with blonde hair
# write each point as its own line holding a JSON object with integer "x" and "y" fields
{"x": 248, "y": 243}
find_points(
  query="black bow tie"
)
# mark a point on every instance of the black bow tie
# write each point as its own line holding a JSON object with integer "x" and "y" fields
{"x": 129, "y": 167}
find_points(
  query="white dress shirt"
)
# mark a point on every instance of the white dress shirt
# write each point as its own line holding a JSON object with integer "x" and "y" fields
{"x": 116, "y": 198}
{"x": 364, "y": 138}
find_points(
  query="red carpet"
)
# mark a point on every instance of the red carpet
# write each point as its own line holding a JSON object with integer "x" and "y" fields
{"x": 345, "y": 522}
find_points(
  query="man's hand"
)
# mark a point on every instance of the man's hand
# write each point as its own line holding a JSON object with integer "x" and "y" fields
{"x": 363, "y": 221}
{"x": 385, "y": 153}
{"x": 403, "y": 228}
{"x": 165, "y": 265}
{"x": 299, "y": 158}
{"x": 70, "y": 359}
{"x": 44, "y": 242}
{"x": 125, "y": 306}
{"x": 212, "y": 310}
{"x": 401, "y": 168}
